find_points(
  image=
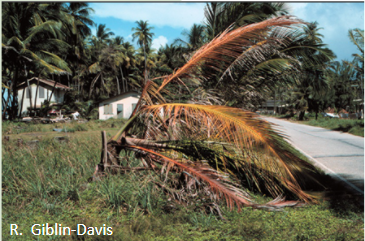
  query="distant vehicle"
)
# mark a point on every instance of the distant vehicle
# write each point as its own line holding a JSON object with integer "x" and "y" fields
{"x": 331, "y": 115}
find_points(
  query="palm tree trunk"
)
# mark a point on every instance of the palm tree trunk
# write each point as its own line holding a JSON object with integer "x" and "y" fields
{"x": 30, "y": 98}
{"x": 21, "y": 105}
{"x": 5, "y": 107}
{"x": 92, "y": 84}
{"x": 35, "y": 98}
{"x": 102, "y": 84}
{"x": 301, "y": 115}
{"x": 3, "y": 102}
{"x": 121, "y": 72}
{"x": 145, "y": 64}
{"x": 13, "y": 112}
{"x": 78, "y": 88}
{"x": 54, "y": 87}
{"x": 118, "y": 85}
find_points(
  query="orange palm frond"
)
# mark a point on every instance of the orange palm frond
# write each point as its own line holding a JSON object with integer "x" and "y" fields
{"x": 225, "y": 48}
{"x": 245, "y": 129}
{"x": 204, "y": 175}
{"x": 232, "y": 194}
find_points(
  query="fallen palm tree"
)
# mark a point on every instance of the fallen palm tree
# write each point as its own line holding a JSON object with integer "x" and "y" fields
{"x": 210, "y": 149}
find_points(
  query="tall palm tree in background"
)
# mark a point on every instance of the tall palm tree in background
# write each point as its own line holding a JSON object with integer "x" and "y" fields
{"x": 341, "y": 78}
{"x": 103, "y": 36}
{"x": 144, "y": 38}
{"x": 127, "y": 69}
{"x": 196, "y": 37}
{"x": 118, "y": 40}
{"x": 98, "y": 44}
{"x": 77, "y": 26}
{"x": 170, "y": 58}
{"x": 314, "y": 59}
{"x": 219, "y": 16}
{"x": 357, "y": 38}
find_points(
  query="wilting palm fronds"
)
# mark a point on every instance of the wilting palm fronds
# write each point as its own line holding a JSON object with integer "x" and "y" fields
{"x": 217, "y": 149}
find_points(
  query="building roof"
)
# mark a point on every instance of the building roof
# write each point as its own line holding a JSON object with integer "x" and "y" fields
{"x": 272, "y": 103}
{"x": 44, "y": 81}
{"x": 120, "y": 96}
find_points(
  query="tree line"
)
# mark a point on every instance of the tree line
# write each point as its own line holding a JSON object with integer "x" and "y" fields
{"x": 55, "y": 41}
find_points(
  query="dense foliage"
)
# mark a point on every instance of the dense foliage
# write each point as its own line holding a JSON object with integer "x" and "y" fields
{"x": 54, "y": 40}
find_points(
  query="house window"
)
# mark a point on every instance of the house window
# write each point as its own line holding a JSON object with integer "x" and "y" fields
{"x": 41, "y": 92}
{"x": 108, "y": 109}
{"x": 120, "y": 110}
{"x": 27, "y": 94}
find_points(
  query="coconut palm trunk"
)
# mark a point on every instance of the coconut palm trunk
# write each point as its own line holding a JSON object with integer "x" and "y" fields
{"x": 145, "y": 64}
{"x": 118, "y": 85}
{"x": 5, "y": 107}
{"x": 21, "y": 104}
{"x": 30, "y": 97}
{"x": 53, "y": 89}
{"x": 123, "y": 80}
{"x": 35, "y": 98}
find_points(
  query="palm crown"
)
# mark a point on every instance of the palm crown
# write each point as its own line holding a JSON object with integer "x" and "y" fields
{"x": 216, "y": 145}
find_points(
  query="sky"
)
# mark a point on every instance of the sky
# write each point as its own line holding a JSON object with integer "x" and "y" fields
{"x": 169, "y": 20}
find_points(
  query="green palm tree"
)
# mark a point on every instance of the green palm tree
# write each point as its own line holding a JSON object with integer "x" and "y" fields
{"x": 314, "y": 59}
{"x": 77, "y": 23}
{"x": 357, "y": 38}
{"x": 219, "y": 16}
{"x": 342, "y": 78}
{"x": 99, "y": 43}
{"x": 171, "y": 57}
{"x": 130, "y": 62}
{"x": 144, "y": 38}
{"x": 118, "y": 40}
{"x": 195, "y": 37}
{"x": 103, "y": 34}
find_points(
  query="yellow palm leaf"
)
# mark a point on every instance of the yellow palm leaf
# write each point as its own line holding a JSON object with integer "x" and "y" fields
{"x": 243, "y": 128}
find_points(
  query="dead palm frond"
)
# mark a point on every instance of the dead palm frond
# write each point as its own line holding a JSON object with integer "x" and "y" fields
{"x": 217, "y": 147}
{"x": 222, "y": 51}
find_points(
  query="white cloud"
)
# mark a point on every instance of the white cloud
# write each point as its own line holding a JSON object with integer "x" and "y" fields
{"x": 159, "y": 14}
{"x": 336, "y": 18}
{"x": 158, "y": 42}
{"x": 129, "y": 38}
{"x": 297, "y": 9}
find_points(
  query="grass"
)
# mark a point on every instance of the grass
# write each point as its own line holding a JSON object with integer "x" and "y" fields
{"x": 49, "y": 183}
{"x": 9, "y": 127}
{"x": 355, "y": 127}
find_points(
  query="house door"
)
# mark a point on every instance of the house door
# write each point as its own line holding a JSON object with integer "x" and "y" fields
{"x": 120, "y": 111}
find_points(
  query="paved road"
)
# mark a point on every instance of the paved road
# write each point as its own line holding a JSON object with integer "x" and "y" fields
{"x": 334, "y": 152}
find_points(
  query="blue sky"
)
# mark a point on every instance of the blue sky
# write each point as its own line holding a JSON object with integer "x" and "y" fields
{"x": 170, "y": 19}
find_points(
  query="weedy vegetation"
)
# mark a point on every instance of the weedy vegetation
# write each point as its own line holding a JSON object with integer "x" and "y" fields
{"x": 50, "y": 183}
{"x": 355, "y": 127}
{"x": 352, "y": 126}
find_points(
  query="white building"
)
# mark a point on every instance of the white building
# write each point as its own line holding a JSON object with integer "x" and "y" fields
{"x": 44, "y": 93}
{"x": 120, "y": 106}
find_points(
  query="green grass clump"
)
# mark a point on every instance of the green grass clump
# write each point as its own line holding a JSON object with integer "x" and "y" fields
{"x": 10, "y": 128}
{"x": 355, "y": 127}
{"x": 49, "y": 183}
